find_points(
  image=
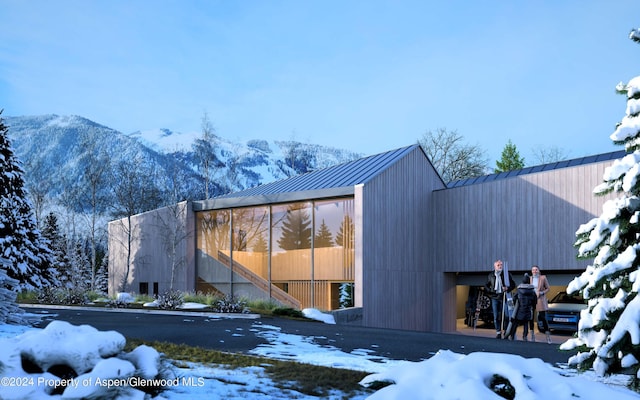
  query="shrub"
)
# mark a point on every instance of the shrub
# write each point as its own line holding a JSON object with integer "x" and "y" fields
{"x": 200, "y": 298}
{"x": 117, "y": 303}
{"x": 288, "y": 312}
{"x": 49, "y": 295}
{"x": 93, "y": 295}
{"x": 230, "y": 304}
{"x": 73, "y": 296}
{"x": 170, "y": 300}
{"x": 263, "y": 305}
{"x": 27, "y": 296}
{"x": 144, "y": 298}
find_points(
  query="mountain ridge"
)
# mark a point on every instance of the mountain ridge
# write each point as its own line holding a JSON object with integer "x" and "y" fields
{"x": 53, "y": 148}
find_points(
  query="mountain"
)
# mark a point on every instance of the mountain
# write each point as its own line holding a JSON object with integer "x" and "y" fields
{"x": 58, "y": 152}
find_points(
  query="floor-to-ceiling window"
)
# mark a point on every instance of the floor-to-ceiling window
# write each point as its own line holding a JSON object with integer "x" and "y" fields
{"x": 250, "y": 251}
{"x": 333, "y": 254}
{"x": 213, "y": 251}
{"x": 291, "y": 228}
{"x": 300, "y": 254}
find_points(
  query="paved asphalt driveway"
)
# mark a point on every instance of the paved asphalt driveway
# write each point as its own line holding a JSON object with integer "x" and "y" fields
{"x": 240, "y": 335}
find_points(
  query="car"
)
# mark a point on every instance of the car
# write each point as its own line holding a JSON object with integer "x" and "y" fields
{"x": 478, "y": 307}
{"x": 564, "y": 311}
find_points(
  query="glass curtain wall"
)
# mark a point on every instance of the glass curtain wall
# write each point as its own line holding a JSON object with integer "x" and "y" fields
{"x": 300, "y": 254}
{"x": 291, "y": 229}
{"x": 250, "y": 252}
{"x": 333, "y": 254}
{"x": 213, "y": 249}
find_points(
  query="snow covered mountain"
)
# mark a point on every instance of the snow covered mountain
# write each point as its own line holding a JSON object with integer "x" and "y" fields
{"x": 52, "y": 149}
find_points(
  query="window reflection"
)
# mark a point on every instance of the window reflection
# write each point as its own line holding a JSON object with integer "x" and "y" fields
{"x": 213, "y": 252}
{"x": 334, "y": 253}
{"x": 311, "y": 263}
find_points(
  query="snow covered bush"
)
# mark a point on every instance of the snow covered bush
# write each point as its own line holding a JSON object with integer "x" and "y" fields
{"x": 122, "y": 300}
{"x": 230, "y": 304}
{"x": 78, "y": 362}
{"x": 609, "y": 329}
{"x": 66, "y": 296}
{"x": 170, "y": 300}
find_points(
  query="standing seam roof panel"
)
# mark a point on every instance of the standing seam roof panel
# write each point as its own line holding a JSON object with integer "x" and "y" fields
{"x": 342, "y": 175}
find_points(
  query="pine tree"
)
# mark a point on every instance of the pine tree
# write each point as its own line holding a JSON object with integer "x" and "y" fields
{"x": 323, "y": 237}
{"x": 80, "y": 265}
{"x": 346, "y": 294}
{"x": 102, "y": 276}
{"x": 58, "y": 245}
{"x": 609, "y": 329}
{"x": 260, "y": 244}
{"x": 510, "y": 159}
{"x": 344, "y": 237}
{"x": 28, "y": 255}
{"x": 296, "y": 229}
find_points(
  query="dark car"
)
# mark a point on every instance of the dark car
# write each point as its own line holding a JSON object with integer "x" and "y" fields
{"x": 564, "y": 311}
{"x": 478, "y": 308}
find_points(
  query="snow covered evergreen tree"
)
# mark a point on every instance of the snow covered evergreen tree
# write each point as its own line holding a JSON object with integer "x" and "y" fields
{"x": 80, "y": 264}
{"x": 29, "y": 257}
{"x": 58, "y": 245}
{"x": 609, "y": 329}
{"x": 102, "y": 276}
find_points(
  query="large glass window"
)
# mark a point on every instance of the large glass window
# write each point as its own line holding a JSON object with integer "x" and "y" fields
{"x": 291, "y": 250}
{"x": 333, "y": 253}
{"x": 213, "y": 252}
{"x": 250, "y": 252}
{"x": 300, "y": 254}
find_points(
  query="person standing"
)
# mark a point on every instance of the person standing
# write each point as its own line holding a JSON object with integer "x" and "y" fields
{"x": 541, "y": 286}
{"x": 497, "y": 289}
{"x": 525, "y": 299}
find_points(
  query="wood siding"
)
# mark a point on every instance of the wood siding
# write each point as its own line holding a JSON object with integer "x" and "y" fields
{"x": 414, "y": 239}
{"x": 397, "y": 284}
{"x": 150, "y": 261}
{"x": 525, "y": 220}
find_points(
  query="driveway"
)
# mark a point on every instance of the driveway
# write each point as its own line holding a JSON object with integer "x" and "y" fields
{"x": 241, "y": 334}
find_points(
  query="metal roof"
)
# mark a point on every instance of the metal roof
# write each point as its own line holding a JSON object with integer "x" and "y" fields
{"x": 338, "y": 180}
{"x": 538, "y": 168}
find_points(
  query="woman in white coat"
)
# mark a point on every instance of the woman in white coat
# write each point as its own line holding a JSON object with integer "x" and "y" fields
{"x": 541, "y": 286}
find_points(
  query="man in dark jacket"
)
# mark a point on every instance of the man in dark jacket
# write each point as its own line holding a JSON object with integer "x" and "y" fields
{"x": 498, "y": 289}
{"x": 525, "y": 300}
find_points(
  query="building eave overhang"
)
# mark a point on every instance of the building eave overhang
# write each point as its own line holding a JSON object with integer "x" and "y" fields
{"x": 276, "y": 198}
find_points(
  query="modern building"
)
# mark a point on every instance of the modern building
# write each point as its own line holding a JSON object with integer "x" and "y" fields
{"x": 382, "y": 235}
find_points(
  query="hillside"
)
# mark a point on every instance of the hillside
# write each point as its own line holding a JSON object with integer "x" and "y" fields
{"x": 55, "y": 151}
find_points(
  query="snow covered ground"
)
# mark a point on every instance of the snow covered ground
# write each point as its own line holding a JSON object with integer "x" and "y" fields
{"x": 446, "y": 375}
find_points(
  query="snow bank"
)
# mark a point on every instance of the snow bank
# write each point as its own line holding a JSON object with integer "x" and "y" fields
{"x": 317, "y": 315}
{"x": 448, "y": 375}
{"x": 73, "y": 362}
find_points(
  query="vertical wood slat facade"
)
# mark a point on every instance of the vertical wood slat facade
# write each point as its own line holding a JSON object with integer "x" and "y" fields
{"x": 524, "y": 220}
{"x": 149, "y": 254}
{"x": 396, "y": 279}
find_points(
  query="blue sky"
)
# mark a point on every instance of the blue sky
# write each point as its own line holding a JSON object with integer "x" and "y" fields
{"x": 367, "y": 76}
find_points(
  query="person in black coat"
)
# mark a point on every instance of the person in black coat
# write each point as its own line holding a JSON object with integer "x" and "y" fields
{"x": 496, "y": 288}
{"x": 525, "y": 304}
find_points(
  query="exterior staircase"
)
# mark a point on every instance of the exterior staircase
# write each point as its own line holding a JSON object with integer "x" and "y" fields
{"x": 273, "y": 291}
